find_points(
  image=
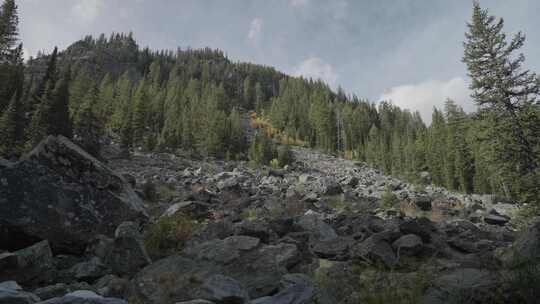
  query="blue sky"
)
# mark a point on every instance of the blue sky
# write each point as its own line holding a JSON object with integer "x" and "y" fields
{"x": 408, "y": 51}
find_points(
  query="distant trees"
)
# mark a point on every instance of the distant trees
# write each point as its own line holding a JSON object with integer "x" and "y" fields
{"x": 197, "y": 100}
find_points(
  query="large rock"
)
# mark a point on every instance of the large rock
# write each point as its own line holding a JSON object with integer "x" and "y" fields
{"x": 375, "y": 249}
{"x": 408, "y": 245}
{"x": 317, "y": 227}
{"x": 245, "y": 259}
{"x": 29, "y": 266}
{"x": 83, "y": 297}
{"x": 60, "y": 193}
{"x": 224, "y": 290}
{"x": 527, "y": 246}
{"x": 12, "y": 293}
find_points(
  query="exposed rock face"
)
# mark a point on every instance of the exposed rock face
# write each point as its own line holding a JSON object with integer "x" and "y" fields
{"x": 60, "y": 193}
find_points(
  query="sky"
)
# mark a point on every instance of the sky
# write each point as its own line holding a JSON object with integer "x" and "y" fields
{"x": 406, "y": 51}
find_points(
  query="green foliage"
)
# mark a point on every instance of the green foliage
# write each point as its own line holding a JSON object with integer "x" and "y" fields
{"x": 389, "y": 199}
{"x": 285, "y": 155}
{"x": 388, "y": 287}
{"x": 262, "y": 150}
{"x": 88, "y": 128}
{"x": 169, "y": 234}
{"x": 11, "y": 129}
{"x": 507, "y": 95}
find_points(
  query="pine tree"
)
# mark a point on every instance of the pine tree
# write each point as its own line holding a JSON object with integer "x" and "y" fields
{"x": 42, "y": 119}
{"x": 140, "y": 113}
{"x": 508, "y": 98}
{"x": 61, "y": 121}
{"x": 9, "y": 22}
{"x": 11, "y": 62}
{"x": 12, "y": 129}
{"x": 87, "y": 127}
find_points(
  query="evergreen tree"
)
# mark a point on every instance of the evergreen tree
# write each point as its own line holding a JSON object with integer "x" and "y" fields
{"x": 12, "y": 129}
{"x": 88, "y": 129}
{"x": 508, "y": 97}
{"x": 11, "y": 62}
{"x": 42, "y": 121}
{"x": 60, "y": 118}
{"x": 9, "y": 22}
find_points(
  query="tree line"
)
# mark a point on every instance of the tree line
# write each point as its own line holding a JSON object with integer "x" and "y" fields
{"x": 197, "y": 99}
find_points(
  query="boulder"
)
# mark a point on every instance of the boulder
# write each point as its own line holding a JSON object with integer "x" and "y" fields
{"x": 295, "y": 294}
{"x": 422, "y": 201}
{"x": 29, "y": 266}
{"x": 223, "y": 290}
{"x": 111, "y": 286}
{"x": 375, "y": 249}
{"x": 333, "y": 249}
{"x": 195, "y": 210}
{"x": 83, "y": 297}
{"x": 52, "y": 291}
{"x": 494, "y": 219}
{"x": 245, "y": 259}
{"x": 60, "y": 193}
{"x": 256, "y": 228}
{"x": 408, "y": 245}
{"x": 90, "y": 270}
{"x": 317, "y": 227}
{"x": 128, "y": 253}
{"x": 329, "y": 186}
{"x": 527, "y": 246}
{"x": 12, "y": 293}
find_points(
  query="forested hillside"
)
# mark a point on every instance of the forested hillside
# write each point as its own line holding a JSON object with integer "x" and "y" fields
{"x": 194, "y": 100}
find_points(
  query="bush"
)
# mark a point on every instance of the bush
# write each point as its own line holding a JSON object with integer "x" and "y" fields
{"x": 389, "y": 199}
{"x": 285, "y": 155}
{"x": 262, "y": 150}
{"x": 169, "y": 235}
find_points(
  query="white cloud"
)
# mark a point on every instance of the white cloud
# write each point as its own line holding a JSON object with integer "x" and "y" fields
{"x": 86, "y": 11}
{"x": 255, "y": 30}
{"x": 26, "y": 54}
{"x": 422, "y": 97}
{"x": 316, "y": 68}
{"x": 298, "y": 3}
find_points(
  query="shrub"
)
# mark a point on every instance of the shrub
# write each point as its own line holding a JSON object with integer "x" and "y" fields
{"x": 169, "y": 234}
{"x": 150, "y": 191}
{"x": 389, "y": 199}
{"x": 262, "y": 150}
{"x": 285, "y": 155}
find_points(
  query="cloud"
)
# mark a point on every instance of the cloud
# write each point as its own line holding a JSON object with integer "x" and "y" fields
{"x": 422, "y": 97}
{"x": 316, "y": 68}
{"x": 255, "y": 30}
{"x": 298, "y": 3}
{"x": 86, "y": 11}
{"x": 26, "y": 54}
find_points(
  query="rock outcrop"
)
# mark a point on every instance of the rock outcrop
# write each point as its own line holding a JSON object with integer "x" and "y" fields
{"x": 60, "y": 193}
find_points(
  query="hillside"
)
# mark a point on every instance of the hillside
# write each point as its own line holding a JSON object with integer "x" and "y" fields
{"x": 135, "y": 176}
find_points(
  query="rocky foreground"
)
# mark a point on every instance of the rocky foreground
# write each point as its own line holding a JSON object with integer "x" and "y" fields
{"x": 161, "y": 228}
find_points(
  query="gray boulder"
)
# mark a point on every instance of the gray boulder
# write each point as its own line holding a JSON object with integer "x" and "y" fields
{"x": 12, "y": 293}
{"x": 408, "y": 245}
{"x": 375, "y": 249}
{"x": 495, "y": 219}
{"x": 317, "y": 227}
{"x": 29, "y": 266}
{"x": 223, "y": 290}
{"x": 245, "y": 259}
{"x": 527, "y": 246}
{"x": 60, "y": 193}
{"x": 83, "y": 297}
